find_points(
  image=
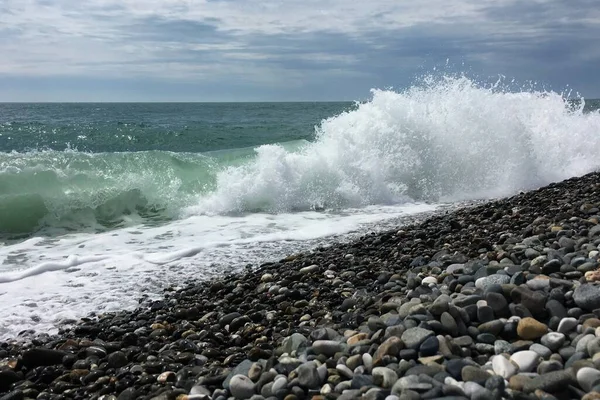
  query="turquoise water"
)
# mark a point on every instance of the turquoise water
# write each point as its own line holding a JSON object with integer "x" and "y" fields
{"x": 93, "y": 167}
{"x": 87, "y": 166}
{"x": 175, "y": 127}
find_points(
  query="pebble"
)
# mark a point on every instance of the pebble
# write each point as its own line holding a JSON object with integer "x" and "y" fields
{"x": 526, "y": 360}
{"x": 587, "y": 297}
{"x": 503, "y": 367}
{"x": 588, "y": 378}
{"x": 241, "y": 387}
{"x": 384, "y": 377}
{"x": 413, "y": 337}
{"x": 531, "y": 329}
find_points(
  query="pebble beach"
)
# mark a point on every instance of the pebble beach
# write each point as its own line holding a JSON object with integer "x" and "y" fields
{"x": 494, "y": 301}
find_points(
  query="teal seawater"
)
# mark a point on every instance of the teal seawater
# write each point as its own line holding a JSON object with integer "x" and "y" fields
{"x": 176, "y": 127}
{"x": 92, "y": 167}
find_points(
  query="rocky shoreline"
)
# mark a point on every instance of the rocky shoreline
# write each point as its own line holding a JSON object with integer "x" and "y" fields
{"x": 488, "y": 302}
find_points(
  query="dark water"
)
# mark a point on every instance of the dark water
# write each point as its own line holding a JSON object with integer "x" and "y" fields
{"x": 180, "y": 127}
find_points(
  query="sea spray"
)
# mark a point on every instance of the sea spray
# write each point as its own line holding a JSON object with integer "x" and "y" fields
{"x": 446, "y": 140}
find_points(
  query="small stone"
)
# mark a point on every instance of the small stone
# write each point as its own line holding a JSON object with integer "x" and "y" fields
{"x": 474, "y": 374}
{"x": 255, "y": 371}
{"x": 429, "y": 347}
{"x": 167, "y": 376}
{"x": 526, "y": 360}
{"x": 551, "y": 382}
{"x": 352, "y": 340}
{"x": 117, "y": 359}
{"x": 542, "y": 350}
{"x": 413, "y": 337}
{"x": 389, "y": 347}
{"x": 503, "y": 367}
{"x": 327, "y": 347}
{"x": 241, "y": 387}
{"x": 42, "y": 357}
{"x": 344, "y": 371}
{"x": 566, "y": 325}
{"x": 384, "y": 377}
{"x": 531, "y": 329}
{"x": 487, "y": 281}
{"x": 293, "y": 343}
{"x": 308, "y": 376}
{"x": 309, "y": 269}
{"x": 449, "y": 324}
{"x": 587, "y": 296}
{"x": 553, "y": 340}
{"x": 588, "y": 378}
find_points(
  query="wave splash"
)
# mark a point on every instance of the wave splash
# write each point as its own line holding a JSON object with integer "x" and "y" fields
{"x": 448, "y": 139}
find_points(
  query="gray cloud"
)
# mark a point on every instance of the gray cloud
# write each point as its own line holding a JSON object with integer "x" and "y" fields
{"x": 284, "y": 49}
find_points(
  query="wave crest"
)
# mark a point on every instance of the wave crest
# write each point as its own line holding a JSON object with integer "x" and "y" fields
{"x": 448, "y": 139}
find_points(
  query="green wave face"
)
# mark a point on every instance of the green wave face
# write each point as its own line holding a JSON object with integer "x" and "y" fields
{"x": 76, "y": 191}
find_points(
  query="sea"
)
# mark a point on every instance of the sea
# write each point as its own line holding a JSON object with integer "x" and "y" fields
{"x": 102, "y": 205}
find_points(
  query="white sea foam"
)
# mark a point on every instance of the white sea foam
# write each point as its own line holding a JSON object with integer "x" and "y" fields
{"x": 448, "y": 139}
{"x": 46, "y": 281}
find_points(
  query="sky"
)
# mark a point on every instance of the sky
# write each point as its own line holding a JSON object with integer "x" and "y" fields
{"x": 287, "y": 50}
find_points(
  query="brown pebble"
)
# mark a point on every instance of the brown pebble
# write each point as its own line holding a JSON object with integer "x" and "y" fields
{"x": 517, "y": 382}
{"x": 591, "y": 396}
{"x": 591, "y": 322}
{"x": 352, "y": 340}
{"x": 530, "y": 329}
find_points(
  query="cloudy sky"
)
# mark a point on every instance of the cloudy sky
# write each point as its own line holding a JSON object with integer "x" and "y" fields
{"x": 253, "y": 50}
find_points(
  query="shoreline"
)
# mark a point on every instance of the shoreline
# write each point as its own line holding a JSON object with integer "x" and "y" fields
{"x": 408, "y": 313}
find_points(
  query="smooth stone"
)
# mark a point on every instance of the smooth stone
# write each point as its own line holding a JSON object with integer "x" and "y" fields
{"x": 588, "y": 378}
{"x": 241, "y": 369}
{"x": 413, "y": 337}
{"x": 474, "y": 390}
{"x": 449, "y": 324}
{"x": 503, "y": 367}
{"x": 117, "y": 359}
{"x": 526, "y": 360}
{"x": 384, "y": 377}
{"x": 241, "y": 387}
{"x": 410, "y": 382}
{"x": 279, "y": 384}
{"x": 293, "y": 343}
{"x": 309, "y": 269}
{"x": 327, "y": 347}
{"x": 42, "y": 357}
{"x": 587, "y": 296}
{"x": 542, "y": 350}
{"x": 361, "y": 381}
{"x": 390, "y": 347}
{"x": 487, "y": 281}
{"x": 344, "y": 371}
{"x": 549, "y": 366}
{"x": 308, "y": 376}
{"x": 531, "y": 329}
{"x": 566, "y": 325}
{"x": 494, "y": 327}
{"x": 474, "y": 374}
{"x": 553, "y": 340}
{"x": 551, "y": 382}
{"x": 367, "y": 360}
{"x": 429, "y": 347}
{"x": 583, "y": 342}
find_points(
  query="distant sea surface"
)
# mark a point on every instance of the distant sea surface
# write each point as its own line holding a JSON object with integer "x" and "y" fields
{"x": 103, "y": 203}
